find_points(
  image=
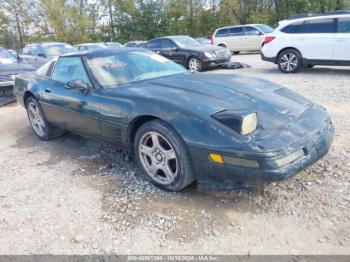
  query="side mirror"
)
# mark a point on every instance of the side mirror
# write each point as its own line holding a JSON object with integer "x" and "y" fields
{"x": 77, "y": 84}
{"x": 174, "y": 49}
{"x": 257, "y": 32}
{"x": 41, "y": 55}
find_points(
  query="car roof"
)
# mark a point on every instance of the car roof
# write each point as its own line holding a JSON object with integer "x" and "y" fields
{"x": 231, "y": 26}
{"x": 169, "y": 37}
{"x": 102, "y": 52}
{"x": 314, "y": 15}
{"x": 308, "y": 17}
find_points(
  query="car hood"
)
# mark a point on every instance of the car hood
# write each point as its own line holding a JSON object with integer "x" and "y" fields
{"x": 210, "y": 93}
{"x": 205, "y": 48}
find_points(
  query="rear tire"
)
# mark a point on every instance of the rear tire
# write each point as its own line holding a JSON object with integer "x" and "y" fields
{"x": 162, "y": 156}
{"x": 37, "y": 119}
{"x": 289, "y": 61}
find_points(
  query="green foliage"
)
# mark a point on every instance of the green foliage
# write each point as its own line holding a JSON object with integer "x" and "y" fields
{"x": 76, "y": 21}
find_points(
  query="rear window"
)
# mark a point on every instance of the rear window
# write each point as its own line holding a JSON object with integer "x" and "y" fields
{"x": 344, "y": 25}
{"x": 235, "y": 31}
{"x": 222, "y": 32}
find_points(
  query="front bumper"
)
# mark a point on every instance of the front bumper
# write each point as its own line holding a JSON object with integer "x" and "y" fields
{"x": 215, "y": 62}
{"x": 227, "y": 176}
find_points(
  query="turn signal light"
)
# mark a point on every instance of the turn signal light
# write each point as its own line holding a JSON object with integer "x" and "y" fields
{"x": 216, "y": 158}
{"x": 268, "y": 39}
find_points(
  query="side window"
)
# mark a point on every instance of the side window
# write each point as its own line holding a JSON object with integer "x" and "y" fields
{"x": 153, "y": 44}
{"x": 236, "y": 31}
{"x": 344, "y": 25}
{"x": 70, "y": 68}
{"x": 222, "y": 32}
{"x": 249, "y": 30}
{"x": 46, "y": 69}
{"x": 292, "y": 28}
{"x": 38, "y": 50}
{"x": 318, "y": 26}
{"x": 166, "y": 43}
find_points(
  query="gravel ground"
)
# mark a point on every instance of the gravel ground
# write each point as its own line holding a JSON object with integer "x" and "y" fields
{"x": 77, "y": 196}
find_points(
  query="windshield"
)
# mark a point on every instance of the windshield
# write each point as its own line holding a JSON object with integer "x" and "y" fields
{"x": 186, "y": 41}
{"x": 117, "y": 69}
{"x": 265, "y": 28}
{"x": 6, "y": 57}
{"x": 56, "y": 50}
{"x": 204, "y": 41}
{"x": 113, "y": 44}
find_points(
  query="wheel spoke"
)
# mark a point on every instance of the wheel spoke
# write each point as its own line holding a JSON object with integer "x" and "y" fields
{"x": 32, "y": 110}
{"x": 169, "y": 154}
{"x": 155, "y": 140}
{"x": 168, "y": 173}
{"x": 146, "y": 150}
{"x": 152, "y": 168}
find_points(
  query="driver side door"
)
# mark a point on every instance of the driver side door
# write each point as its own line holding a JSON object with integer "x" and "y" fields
{"x": 72, "y": 109}
{"x": 171, "y": 51}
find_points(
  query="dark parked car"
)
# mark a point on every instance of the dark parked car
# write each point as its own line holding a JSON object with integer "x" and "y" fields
{"x": 188, "y": 52}
{"x": 89, "y": 46}
{"x": 135, "y": 44}
{"x": 40, "y": 53}
{"x": 10, "y": 66}
{"x": 221, "y": 130}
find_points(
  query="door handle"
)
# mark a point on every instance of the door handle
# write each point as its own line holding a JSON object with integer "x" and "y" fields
{"x": 47, "y": 90}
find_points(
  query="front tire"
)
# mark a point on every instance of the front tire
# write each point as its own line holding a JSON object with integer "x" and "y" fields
{"x": 162, "y": 156}
{"x": 289, "y": 61}
{"x": 37, "y": 119}
{"x": 194, "y": 64}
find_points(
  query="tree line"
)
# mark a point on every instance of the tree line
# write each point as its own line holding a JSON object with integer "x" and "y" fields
{"x": 77, "y": 21}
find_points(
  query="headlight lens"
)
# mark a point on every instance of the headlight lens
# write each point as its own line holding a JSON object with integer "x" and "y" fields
{"x": 243, "y": 122}
{"x": 249, "y": 124}
{"x": 209, "y": 54}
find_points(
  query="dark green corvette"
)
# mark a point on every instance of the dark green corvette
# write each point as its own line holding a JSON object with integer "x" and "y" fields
{"x": 222, "y": 130}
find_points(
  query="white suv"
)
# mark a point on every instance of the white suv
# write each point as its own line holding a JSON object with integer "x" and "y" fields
{"x": 241, "y": 38}
{"x": 310, "y": 40}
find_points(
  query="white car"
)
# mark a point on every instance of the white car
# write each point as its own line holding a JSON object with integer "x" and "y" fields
{"x": 241, "y": 38}
{"x": 309, "y": 40}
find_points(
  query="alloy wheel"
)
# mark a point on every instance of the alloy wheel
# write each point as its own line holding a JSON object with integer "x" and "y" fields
{"x": 193, "y": 64}
{"x": 158, "y": 158}
{"x": 289, "y": 62}
{"x": 36, "y": 119}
